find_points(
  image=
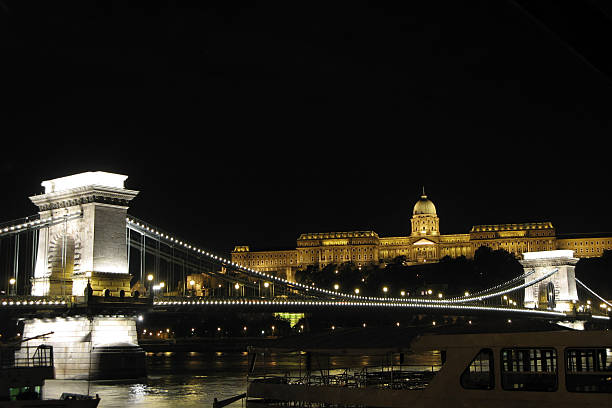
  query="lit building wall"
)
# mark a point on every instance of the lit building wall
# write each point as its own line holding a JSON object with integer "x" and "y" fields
{"x": 424, "y": 244}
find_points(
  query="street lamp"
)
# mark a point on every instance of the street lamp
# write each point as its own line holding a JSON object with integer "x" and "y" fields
{"x": 12, "y": 282}
{"x": 356, "y": 291}
{"x": 336, "y": 286}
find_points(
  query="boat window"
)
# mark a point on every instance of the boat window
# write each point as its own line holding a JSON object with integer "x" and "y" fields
{"x": 588, "y": 369}
{"x": 529, "y": 369}
{"x": 479, "y": 375}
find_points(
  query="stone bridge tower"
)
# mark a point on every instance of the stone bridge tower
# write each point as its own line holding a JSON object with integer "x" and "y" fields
{"x": 557, "y": 292}
{"x": 86, "y": 240}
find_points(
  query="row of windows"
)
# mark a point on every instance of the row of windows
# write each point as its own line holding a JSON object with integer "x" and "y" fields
{"x": 587, "y": 243}
{"x": 535, "y": 369}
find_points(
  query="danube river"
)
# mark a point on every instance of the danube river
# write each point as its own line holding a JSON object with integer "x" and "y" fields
{"x": 188, "y": 379}
{"x": 194, "y": 379}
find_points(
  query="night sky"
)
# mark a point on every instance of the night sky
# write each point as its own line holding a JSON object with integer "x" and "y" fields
{"x": 252, "y": 122}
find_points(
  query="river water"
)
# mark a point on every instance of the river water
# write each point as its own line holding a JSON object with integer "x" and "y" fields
{"x": 174, "y": 380}
{"x": 195, "y": 379}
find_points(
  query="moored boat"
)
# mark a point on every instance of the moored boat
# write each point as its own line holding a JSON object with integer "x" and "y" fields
{"x": 560, "y": 368}
{"x": 22, "y": 378}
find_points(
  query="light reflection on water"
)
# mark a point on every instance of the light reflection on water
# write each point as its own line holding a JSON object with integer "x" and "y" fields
{"x": 191, "y": 379}
{"x": 194, "y": 379}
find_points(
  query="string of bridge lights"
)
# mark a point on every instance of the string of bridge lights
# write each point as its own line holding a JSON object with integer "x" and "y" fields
{"x": 485, "y": 291}
{"x": 39, "y": 223}
{"x": 317, "y": 303}
{"x": 143, "y": 227}
{"x": 591, "y": 291}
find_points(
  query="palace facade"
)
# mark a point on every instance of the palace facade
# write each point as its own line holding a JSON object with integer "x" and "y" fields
{"x": 424, "y": 244}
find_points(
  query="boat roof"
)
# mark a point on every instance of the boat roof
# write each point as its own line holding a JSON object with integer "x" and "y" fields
{"x": 381, "y": 340}
{"x": 559, "y": 339}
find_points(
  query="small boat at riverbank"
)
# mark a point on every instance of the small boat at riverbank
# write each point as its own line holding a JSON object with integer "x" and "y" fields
{"x": 556, "y": 369}
{"x": 22, "y": 378}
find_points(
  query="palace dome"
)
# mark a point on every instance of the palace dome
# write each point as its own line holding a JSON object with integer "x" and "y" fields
{"x": 424, "y": 206}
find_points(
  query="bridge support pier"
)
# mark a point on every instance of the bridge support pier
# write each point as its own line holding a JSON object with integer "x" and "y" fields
{"x": 90, "y": 347}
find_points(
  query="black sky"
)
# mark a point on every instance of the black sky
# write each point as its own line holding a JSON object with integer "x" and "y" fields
{"x": 252, "y": 122}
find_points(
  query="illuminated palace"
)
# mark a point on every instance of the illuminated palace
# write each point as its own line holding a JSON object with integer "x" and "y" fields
{"x": 424, "y": 244}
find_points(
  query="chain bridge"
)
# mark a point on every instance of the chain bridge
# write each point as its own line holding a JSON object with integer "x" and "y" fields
{"x": 84, "y": 259}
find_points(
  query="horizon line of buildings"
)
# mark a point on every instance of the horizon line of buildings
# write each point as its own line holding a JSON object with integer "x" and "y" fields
{"x": 424, "y": 244}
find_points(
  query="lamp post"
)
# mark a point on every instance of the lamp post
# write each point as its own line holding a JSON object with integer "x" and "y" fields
{"x": 149, "y": 282}
{"x": 12, "y": 283}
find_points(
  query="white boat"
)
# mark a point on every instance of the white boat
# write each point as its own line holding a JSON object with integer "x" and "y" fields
{"x": 553, "y": 369}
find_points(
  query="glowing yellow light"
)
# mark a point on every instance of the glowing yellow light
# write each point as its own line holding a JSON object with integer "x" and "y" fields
{"x": 12, "y": 281}
{"x": 192, "y": 282}
{"x": 149, "y": 277}
{"x": 237, "y": 286}
{"x": 162, "y": 284}
{"x": 357, "y": 291}
{"x": 403, "y": 293}
{"x": 336, "y": 286}
{"x": 266, "y": 284}
{"x": 385, "y": 289}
